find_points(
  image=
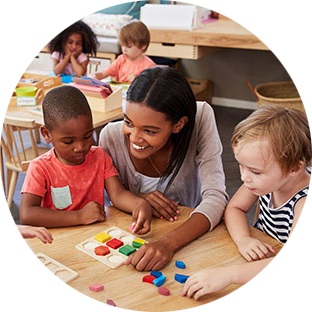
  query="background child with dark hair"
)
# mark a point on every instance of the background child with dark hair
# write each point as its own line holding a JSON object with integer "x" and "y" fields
{"x": 65, "y": 186}
{"x": 71, "y": 47}
{"x": 134, "y": 38}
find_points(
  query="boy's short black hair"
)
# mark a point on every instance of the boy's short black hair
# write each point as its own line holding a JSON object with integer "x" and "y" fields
{"x": 63, "y": 103}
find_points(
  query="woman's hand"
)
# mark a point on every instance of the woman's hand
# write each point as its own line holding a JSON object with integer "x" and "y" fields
{"x": 253, "y": 249}
{"x": 151, "y": 256}
{"x": 163, "y": 207}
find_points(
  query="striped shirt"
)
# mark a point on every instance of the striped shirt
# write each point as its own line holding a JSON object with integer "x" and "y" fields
{"x": 277, "y": 222}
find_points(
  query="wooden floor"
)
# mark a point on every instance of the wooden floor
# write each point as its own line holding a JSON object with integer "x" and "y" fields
{"x": 227, "y": 118}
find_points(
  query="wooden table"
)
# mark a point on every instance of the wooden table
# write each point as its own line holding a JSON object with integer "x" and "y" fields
{"x": 222, "y": 33}
{"x": 124, "y": 285}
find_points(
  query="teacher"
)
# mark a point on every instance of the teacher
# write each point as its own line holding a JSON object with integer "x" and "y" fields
{"x": 167, "y": 149}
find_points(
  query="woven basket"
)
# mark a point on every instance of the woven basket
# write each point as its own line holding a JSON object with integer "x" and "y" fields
{"x": 283, "y": 93}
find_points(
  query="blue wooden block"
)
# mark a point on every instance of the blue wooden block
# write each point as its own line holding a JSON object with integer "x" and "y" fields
{"x": 181, "y": 278}
{"x": 180, "y": 264}
{"x": 159, "y": 281}
{"x": 156, "y": 274}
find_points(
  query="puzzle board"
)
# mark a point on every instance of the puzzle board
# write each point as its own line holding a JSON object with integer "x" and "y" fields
{"x": 115, "y": 258}
{"x": 60, "y": 270}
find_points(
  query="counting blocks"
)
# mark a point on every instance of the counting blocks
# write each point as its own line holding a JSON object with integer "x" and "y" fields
{"x": 137, "y": 243}
{"x": 127, "y": 250}
{"x": 114, "y": 243}
{"x": 102, "y": 237}
{"x": 159, "y": 280}
{"x": 180, "y": 264}
{"x": 110, "y": 238}
{"x": 181, "y": 278}
{"x": 96, "y": 287}
{"x": 148, "y": 279}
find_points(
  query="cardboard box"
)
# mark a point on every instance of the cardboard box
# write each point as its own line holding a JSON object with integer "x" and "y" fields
{"x": 104, "y": 105}
{"x": 179, "y": 17}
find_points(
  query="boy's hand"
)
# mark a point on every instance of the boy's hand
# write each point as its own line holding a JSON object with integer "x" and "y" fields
{"x": 151, "y": 256}
{"x": 91, "y": 213}
{"x": 252, "y": 249}
{"x": 97, "y": 75}
{"x": 205, "y": 282}
{"x": 163, "y": 207}
{"x": 141, "y": 218}
{"x": 40, "y": 232}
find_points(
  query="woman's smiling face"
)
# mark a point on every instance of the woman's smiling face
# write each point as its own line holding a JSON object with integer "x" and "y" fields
{"x": 146, "y": 130}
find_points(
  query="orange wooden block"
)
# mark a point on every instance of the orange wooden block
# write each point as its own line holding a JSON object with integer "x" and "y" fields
{"x": 101, "y": 251}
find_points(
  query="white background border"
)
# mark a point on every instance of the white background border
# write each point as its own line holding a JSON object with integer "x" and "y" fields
{"x": 283, "y": 25}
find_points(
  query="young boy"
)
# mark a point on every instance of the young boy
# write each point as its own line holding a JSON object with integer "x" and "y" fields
{"x": 134, "y": 39}
{"x": 273, "y": 149}
{"x": 65, "y": 186}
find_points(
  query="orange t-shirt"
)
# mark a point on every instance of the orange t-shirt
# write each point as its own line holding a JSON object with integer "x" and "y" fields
{"x": 64, "y": 187}
{"x": 126, "y": 70}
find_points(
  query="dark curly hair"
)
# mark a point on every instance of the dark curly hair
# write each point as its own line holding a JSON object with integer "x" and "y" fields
{"x": 89, "y": 39}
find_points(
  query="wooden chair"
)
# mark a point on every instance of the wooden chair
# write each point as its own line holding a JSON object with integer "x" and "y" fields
{"x": 93, "y": 66}
{"x": 17, "y": 157}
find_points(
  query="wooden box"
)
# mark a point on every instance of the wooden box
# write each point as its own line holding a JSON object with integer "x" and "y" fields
{"x": 40, "y": 81}
{"x": 104, "y": 105}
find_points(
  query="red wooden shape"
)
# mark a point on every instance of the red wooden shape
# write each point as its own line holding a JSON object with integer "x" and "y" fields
{"x": 114, "y": 243}
{"x": 148, "y": 279}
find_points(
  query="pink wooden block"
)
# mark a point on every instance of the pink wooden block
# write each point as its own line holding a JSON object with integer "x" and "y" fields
{"x": 164, "y": 291}
{"x": 96, "y": 287}
{"x": 111, "y": 302}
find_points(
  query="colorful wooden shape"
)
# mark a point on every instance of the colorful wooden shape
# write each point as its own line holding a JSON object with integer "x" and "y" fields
{"x": 101, "y": 251}
{"x": 111, "y": 302}
{"x": 137, "y": 243}
{"x": 148, "y": 279}
{"x": 114, "y": 243}
{"x": 164, "y": 291}
{"x": 102, "y": 237}
{"x": 159, "y": 280}
{"x": 180, "y": 264}
{"x": 96, "y": 287}
{"x": 156, "y": 273}
{"x": 181, "y": 278}
{"x": 127, "y": 250}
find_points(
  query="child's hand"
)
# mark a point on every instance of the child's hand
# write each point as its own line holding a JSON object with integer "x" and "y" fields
{"x": 97, "y": 75}
{"x": 40, "y": 232}
{"x": 253, "y": 249}
{"x": 91, "y": 213}
{"x": 141, "y": 218}
{"x": 151, "y": 256}
{"x": 163, "y": 207}
{"x": 205, "y": 282}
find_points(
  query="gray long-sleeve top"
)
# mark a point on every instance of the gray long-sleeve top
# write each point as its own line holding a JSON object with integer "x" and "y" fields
{"x": 200, "y": 182}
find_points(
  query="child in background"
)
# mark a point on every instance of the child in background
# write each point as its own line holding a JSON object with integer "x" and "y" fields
{"x": 65, "y": 186}
{"x": 134, "y": 38}
{"x": 33, "y": 231}
{"x": 273, "y": 149}
{"x": 70, "y": 49}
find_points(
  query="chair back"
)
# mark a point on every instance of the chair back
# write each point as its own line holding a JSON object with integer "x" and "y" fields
{"x": 12, "y": 143}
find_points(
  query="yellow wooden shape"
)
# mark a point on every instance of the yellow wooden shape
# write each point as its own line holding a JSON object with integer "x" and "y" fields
{"x": 102, "y": 237}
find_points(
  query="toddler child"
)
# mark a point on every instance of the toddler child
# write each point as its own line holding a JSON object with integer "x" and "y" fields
{"x": 273, "y": 150}
{"x": 70, "y": 49}
{"x": 134, "y": 38}
{"x": 65, "y": 186}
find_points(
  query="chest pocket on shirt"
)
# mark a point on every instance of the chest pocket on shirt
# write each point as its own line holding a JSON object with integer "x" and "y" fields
{"x": 61, "y": 197}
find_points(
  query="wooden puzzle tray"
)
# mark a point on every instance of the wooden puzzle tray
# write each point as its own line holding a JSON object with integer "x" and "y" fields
{"x": 115, "y": 243}
{"x": 61, "y": 271}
